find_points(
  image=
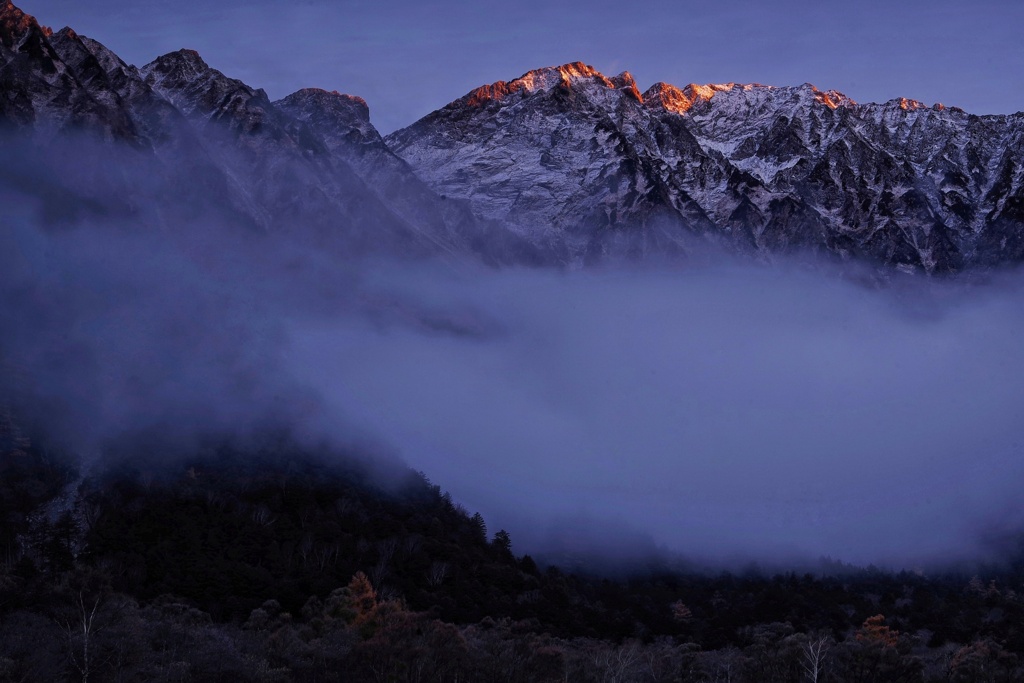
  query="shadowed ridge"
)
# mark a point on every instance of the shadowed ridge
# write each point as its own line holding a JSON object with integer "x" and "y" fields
{"x": 337, "y": 108}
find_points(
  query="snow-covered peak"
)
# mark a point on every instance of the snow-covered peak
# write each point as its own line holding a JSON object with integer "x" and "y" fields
{"x": 566, "y": 151}
{"x": 195, "y": 88}
{"x": 538, "y": 80}
{"x": 739, "y": 96}
{"x": 680, "y": 100}
{"x": 181, "y": 64}
{"x": 625, "y": 81}
{"x": 833, "y": 99}
{"x": 909, "y": 105}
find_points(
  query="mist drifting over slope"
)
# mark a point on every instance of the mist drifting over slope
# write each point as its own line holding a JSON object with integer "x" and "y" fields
{"x": 717, "y": 408}
{"x": 728, "y": 410}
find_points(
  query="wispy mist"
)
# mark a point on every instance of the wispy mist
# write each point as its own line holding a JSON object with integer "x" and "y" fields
{"x": 721, "y": 410}
{"x": 727, "y": 411}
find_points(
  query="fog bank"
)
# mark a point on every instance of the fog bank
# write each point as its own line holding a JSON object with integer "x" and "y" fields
{"x": 724, "y": 411}
{"x": 718, "y": 409}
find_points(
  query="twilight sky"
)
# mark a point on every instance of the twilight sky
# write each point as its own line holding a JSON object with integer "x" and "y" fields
{"x": 407, "y": 58}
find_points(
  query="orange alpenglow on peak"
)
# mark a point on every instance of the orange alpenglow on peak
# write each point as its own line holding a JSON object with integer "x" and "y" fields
{"x": 663, "y": 95}
{"x": 833, "y": 99}
{"x": 625, "y": 81}
{"x": 576, "y": 70}
{"x": 682, "y": 100}
{"x": 909, "y": 105}
{"x": 14, "y": 23}
{"x": 549, "y": 77}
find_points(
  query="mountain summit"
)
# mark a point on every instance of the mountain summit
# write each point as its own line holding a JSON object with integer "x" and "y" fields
{"x": 562, "y": 164}
{"x": 762, "y": 168}
{"x": 567, "y": 76}
{"x": 205, "y": 146}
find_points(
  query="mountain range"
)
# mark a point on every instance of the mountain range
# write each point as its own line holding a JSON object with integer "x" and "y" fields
{"x": 561, "y": 165}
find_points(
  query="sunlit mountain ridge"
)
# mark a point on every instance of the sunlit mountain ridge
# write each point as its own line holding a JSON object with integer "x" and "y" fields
{"x": 561, "y": 165}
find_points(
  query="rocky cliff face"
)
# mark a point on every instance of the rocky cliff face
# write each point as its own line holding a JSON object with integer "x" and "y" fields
{"x": 40, "y": 89}
{"x": 201, "y": 145}
{"x": 342, "y": 124}
{"x": 560, "y": 154}
{"x": 562, "y": 164}
{"x": 766, "y": 169}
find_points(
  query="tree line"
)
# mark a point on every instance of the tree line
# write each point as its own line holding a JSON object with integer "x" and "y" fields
{"x": 274, "y": 562}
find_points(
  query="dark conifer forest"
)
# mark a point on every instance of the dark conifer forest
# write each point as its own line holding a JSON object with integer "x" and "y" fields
{"x": 270, "y": 561}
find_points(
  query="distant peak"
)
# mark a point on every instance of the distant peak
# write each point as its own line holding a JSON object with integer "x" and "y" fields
{"x": 550, "y": 77}
{"x": 182, "y": 63}
{"x": 909, "y": 105}
{"x": 183, "y": 57}
{"x": 188, "y": 55}
{"x": 329, "y": 99}
{"x": 625, "y": 81}
{"x": 574, "y": 70}
{"x": 681, "y": 100}
{"x": 320, "y": 93}
{"x": 833, "y": 99}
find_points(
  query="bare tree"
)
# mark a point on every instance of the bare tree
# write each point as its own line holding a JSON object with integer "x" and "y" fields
{"x": 814, "y": 652}
{"x": 617, "y": 663}
{"x": 385, "y": 552}
{"x": 80, "y": 625}
{"x": 262, "y": 515}
{"x": 306, "y": 547}
{"x": 437, "y": 573}
{"x": 325, "y": 555}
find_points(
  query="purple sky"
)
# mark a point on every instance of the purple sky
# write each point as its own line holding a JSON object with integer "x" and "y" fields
{"x": 407, "y": 58}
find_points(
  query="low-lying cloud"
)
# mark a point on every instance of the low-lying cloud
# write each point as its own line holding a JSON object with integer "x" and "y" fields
{"x": 728, "y": 411}
{"x": 721, "y": 410}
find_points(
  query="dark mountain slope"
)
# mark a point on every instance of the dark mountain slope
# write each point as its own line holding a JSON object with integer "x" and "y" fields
{"x": 201, "y": 147}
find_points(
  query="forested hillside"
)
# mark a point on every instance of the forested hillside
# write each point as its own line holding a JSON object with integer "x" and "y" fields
{"x": 271, "y": 561}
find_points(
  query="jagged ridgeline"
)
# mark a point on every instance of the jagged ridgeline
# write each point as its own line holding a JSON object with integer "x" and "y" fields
{"x": 758, "y": 167}
{"x": 561, "y": 165}
{"x": 177, "y": 142}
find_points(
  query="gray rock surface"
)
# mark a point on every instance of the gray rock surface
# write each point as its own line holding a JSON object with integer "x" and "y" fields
{"x": 767, "y": 169}
{"x": 562, "y": 164}
{"x": 178, "y": 140}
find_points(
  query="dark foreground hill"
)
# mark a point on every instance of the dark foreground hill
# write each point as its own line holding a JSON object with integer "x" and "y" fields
{"x": 275, "y": 562}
